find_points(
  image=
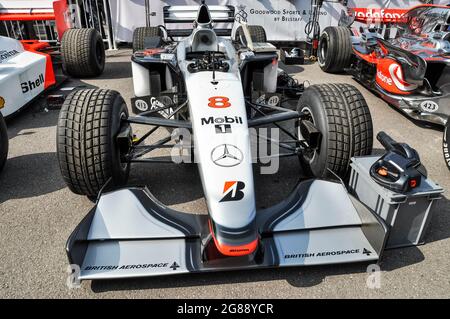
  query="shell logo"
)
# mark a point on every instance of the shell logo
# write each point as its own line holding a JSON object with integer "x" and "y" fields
{"x": 2, "y": 102}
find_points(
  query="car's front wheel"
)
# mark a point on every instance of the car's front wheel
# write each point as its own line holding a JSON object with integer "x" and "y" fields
{"x": 341, "y": 114}
{"x": 88, "y": 151}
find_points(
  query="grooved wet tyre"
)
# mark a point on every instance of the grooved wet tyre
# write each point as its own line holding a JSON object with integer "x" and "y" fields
{"x": 257, "y": 33}
{"x": 87, "y": 148}
{"x": 83, "y": 53}
{"x": 335, "y": 49}
{"x": 445, "y": 141}
{"x": 139, "y": 35}
{"x": 4, "y": 143}
{"x": 341, "y": 114}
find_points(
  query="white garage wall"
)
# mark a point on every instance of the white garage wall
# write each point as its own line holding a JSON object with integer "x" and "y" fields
{"x": 284, "y": 20}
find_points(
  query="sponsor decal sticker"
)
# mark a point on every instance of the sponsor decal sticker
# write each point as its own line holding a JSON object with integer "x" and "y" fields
{"x": 226, "y": 155}
{"x": 174, "y": 266}
{"x": 232, "y": 191}
{"x": 384, "y": 78}
{"x": 32, "y": 85}
{"x": 129, "y": 267}
{"x": 221, "y": 120}
{"x": 271, "y": 100}
{"x": 378, "y": 15}
{"x": 5, "y": 55}
{"x": 141, "y": 105}
{"x": 364, "y": 251}
{"x": 2, "y": 102}
{"x": 429, "y": 106}
{"x": 223, "y": 128}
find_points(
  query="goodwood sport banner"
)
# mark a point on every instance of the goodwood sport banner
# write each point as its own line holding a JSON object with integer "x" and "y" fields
{"x": 284, "y": 20}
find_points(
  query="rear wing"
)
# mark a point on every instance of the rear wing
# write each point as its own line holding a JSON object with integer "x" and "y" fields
{"x": 188, "y": 14}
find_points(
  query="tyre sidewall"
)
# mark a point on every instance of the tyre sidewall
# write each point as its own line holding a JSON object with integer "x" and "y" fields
{"x": 324, "y": 61}
{"x": 96, "y": 43}
{"x": 311, "y": 100}
{"x": 445, "y": 146}
{"x": 119, "y": 111}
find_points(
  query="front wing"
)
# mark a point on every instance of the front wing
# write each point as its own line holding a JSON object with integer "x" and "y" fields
{"x": 130, "y": 234}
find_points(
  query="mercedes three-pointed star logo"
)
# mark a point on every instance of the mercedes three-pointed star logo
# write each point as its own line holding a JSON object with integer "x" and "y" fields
{"x": 226, "y": 155}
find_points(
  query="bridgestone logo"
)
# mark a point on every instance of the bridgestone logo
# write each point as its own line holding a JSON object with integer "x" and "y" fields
{"x": 221, "y": 120}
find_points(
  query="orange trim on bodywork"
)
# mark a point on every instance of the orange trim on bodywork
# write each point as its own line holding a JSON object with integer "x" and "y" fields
{"x": 26, "y": 16}
{"x": 235, "y": 251}
{"x": 35, "y": 46}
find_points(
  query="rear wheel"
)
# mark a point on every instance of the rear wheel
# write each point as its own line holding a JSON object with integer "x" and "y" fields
{"x": 257, "y": 34}
{"x": 139, "y": 35}
{"x": 83, "y": 53}
{"x": 445, "y": 147}
{"x": 3, "y": 142}
{"x": 342, "y": 116}
{"x": 87, "y": 147}
{"x": 335, "y": 49}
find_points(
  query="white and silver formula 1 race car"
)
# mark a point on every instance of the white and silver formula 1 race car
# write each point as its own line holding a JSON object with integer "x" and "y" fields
{"x": 205, "y": 84}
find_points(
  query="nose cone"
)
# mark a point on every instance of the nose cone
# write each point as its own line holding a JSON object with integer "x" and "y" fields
{"x": 234, "y": 242}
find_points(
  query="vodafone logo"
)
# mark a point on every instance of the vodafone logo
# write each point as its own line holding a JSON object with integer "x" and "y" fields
{"x": 384, "y": 78}
{"x": 379, "y": 15}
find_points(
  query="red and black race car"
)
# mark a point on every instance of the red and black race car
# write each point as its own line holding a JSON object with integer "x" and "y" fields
{"x": 405, "y": 60}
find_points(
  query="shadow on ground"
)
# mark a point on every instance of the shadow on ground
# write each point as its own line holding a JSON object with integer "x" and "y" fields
{"x": 30, "y": 175}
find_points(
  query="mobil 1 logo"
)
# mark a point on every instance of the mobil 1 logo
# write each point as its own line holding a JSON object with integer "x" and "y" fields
{"x": 222, "y": 125}
{"x": 222, "y": 128}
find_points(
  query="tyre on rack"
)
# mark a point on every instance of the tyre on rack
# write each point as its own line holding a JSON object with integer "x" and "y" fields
{"x": 335, "y": 49}
{"x": 445, "y": 141}
{"x": 87, "y": 147}
{"x": 3, "y": 142}
{"x": 140, "y": 33}
{"x": 83, "y": 53}
{"x": 257, "y": 34}
{"x": 341, "y": 114}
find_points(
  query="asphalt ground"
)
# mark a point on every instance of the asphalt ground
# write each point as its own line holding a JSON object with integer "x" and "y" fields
{"x": 38, "y": 212}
